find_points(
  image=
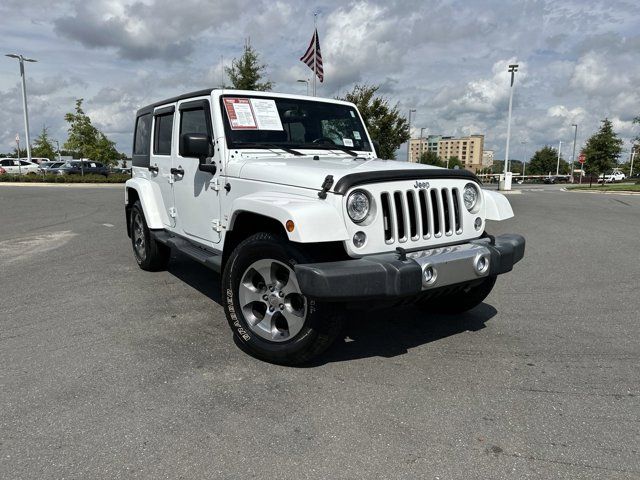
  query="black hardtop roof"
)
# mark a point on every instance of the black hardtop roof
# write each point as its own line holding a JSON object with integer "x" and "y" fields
{"x": 184, "y": 96}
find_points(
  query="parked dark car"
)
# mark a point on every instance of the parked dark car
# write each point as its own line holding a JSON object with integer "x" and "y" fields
{"x": 76, "y": 167}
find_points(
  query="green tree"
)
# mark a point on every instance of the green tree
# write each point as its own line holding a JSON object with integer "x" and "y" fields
{"x": 387, "y": 127}
{"x": 454, "y": 162}
{"x": 246, "y": 72}
{"x": 86, "y": 140}
{"x": 43, "y": 146}
{"x": 545, "y": 161}
{"x": 430, "y": 158}
{"x": 602, "y": 149}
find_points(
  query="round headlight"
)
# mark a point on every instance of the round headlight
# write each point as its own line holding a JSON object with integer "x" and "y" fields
{"x": 358, "y": 206}
{"x": 470, "y": 196}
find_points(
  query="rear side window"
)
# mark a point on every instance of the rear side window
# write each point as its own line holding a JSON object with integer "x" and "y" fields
{"x": 24, "y": 162}
{"x": 163, "y": 130}
{"x": 143, "y": 135}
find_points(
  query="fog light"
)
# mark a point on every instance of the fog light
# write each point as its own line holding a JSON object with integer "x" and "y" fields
{"x": 359, "y": 239}
{"x": 478, "y": 223}
{"x": 429, "y": 275}
{"x": 482, "y": 264}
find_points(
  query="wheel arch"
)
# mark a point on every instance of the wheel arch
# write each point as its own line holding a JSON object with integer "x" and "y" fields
{"x": 144, "y": 191}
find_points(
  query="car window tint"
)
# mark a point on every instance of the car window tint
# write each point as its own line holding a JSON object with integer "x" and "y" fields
{"x": 163, "y": 130}
{"x": 23, "y": 162}
{"x": 143, "y": 135}
{"x": 193, "y": 121}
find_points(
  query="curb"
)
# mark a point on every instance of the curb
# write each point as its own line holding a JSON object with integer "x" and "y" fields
{"x": 609, "y": 192}
{"x": 63, "y": 185}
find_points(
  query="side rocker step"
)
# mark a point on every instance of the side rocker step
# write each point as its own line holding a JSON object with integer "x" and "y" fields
{"x": 201, "y": 255}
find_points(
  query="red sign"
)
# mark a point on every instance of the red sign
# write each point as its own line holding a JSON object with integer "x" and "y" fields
{"x": 582, "y": 158}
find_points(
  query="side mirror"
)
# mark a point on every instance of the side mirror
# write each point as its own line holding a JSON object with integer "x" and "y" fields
{"x": 198, "y": 145}
{"x": 195, "y": 145}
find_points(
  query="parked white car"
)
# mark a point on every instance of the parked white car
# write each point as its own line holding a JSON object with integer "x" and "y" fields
{"x": 15, "y": 166}
{"x": 285, "y": 197}
{"x": 612, "y": 177}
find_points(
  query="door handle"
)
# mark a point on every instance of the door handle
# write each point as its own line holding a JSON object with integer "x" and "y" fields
{"x": 177, "y": 171}
{"x": 153, "y": 168}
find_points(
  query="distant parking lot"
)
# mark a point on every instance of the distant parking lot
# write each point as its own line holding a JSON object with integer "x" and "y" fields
{"x": 112, "y": 372}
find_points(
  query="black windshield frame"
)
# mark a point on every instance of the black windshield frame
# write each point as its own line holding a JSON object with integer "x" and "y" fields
{"x": 242, "y": 139}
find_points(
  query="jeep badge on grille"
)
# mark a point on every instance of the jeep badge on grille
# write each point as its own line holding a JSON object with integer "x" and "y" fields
{"x": 420, "y": 184}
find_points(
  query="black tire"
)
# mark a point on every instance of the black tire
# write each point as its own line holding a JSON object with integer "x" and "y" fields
{"x": 461, "y": 301}
{"x": 150, "y": 254}
{"x": 321, "y": 324}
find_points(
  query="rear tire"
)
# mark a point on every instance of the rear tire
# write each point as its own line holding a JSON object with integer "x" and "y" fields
{"x": 150, "y": 254}
{"x": 265, "y": 308}
{"x": 460, "y": 302}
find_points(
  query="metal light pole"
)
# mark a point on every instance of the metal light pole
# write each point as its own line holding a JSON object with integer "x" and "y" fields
{"x": 58, "y": 145}
{"x": 411, "y": 110}
{"x": 558, "y": 164}
{"x": 573, "y": 153}
{"x": 18, "y": 146}
{"x": 422, "y": 140}
{"x": 633, "y": 155}
{"x": 524, "y": 160}
{"x": 22, "y": 59}
{"x": 512, "y": 70}
{"x": 305, "y": 81}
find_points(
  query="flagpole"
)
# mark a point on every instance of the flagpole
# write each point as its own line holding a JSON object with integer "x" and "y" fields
{"x": 315, "y": 46}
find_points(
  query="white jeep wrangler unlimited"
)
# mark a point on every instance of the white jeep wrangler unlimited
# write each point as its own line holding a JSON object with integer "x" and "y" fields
{"x": 284, "y": 196}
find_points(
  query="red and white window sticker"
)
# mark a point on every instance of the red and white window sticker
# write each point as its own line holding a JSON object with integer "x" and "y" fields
{"x": 240, "y": 114}
{"x": 253, "y": 114}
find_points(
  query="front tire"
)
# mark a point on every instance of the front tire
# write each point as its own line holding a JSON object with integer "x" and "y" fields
{"x": 265, "y": 308}
{"x": 150, "y": 254}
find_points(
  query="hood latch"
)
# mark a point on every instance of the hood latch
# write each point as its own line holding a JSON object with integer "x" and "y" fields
{"x": 326, "y": 185}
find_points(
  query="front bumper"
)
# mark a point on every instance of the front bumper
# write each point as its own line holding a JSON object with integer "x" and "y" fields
{"x": 389, "y": 276}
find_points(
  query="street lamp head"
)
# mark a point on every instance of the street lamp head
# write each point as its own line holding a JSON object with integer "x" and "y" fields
{"x": 29, "y": 60}
{"x": 302, "y": 81}
{"x": 12, "y": 55}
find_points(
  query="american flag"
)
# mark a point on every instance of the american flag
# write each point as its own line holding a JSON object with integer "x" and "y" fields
{"x": 313, "y": 57}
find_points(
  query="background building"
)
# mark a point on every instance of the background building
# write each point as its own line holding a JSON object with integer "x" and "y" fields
{"x": 467, "y": 149}
{"x": 418, "y": 146}
{"x": 487, "y": 158}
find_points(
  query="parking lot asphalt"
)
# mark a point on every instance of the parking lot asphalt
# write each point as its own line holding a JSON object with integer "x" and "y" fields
{"x": 107, "y": 371}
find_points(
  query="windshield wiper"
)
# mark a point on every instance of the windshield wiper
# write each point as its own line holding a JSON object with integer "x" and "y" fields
{"x": 324, "y": 146}
{"x": 269, "y": 146}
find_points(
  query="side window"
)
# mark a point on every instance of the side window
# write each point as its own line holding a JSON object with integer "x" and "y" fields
{"x": 143, "y": 135}
{"x": 162, "y": 134}
{"x": 5, "y": 163}
{"x": 193, "y": 121}
{"x": 24, "y": 162}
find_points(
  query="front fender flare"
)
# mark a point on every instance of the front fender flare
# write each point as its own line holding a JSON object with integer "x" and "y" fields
{"x": 315, "y": 220}
{"x": 497, "y": 207}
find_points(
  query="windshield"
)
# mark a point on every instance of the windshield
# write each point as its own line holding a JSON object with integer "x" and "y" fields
{"x": 272, "y": 122}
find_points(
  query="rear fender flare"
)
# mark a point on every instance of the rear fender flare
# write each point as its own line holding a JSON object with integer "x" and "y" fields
{"x": 151, "y": 201}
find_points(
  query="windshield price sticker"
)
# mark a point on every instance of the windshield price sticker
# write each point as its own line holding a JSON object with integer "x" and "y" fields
{"x": 240, "y": 114}
{"x": 253, "y": 114}
{"x": 266, "y": 113}
{"x": 347, "y": 142}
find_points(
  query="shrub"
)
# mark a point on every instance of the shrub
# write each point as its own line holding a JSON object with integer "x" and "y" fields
{"x": 54, "y": 178}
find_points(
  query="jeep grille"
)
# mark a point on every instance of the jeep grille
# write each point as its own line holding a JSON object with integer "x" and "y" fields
{"x": 412, "y": 215}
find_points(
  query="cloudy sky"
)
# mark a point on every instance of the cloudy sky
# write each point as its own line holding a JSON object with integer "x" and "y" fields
{"x": 580, "y": 61}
